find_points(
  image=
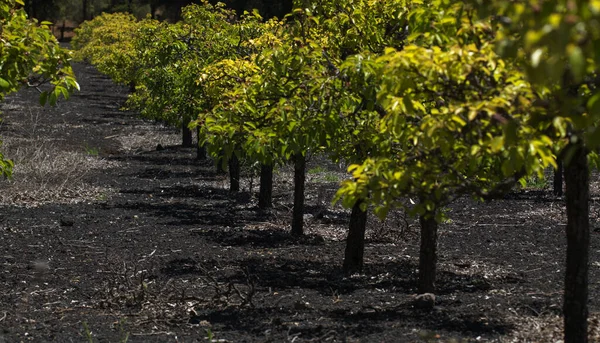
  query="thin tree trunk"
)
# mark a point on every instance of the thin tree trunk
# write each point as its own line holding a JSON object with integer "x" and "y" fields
{"x": 265, "y": 195}
{"x": 33, "y": 9}
{"x": 153, "y": 10}
{"x": 428, "y": 253}
{"x": 558, "y": 178}
{"x": 187, "y": 141}
{"x": 85, "y": 10}
{"x": 62, "y": 30}
{"x": 355, "y": 243}
{"x": 27, "y": 8}
{"x": 200, "y": 149}
{"x": 299, "y": 179}
{"x": 234, "y": 173}
{"x": 578, "y": 240}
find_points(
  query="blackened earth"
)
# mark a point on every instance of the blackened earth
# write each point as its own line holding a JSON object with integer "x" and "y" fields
{"x": 168, "y": 254}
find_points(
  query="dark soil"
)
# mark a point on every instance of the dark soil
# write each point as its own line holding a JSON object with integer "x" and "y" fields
{"x": 165, "y": 253}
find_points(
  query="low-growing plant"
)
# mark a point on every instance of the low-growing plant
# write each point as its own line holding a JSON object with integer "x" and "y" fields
{"x": 536, "y": 182}
{"x": 316, "y": 170}
{"x": 89, "y": 337}
{"x": 91, "y": 151}
{"x": 331, "y": 177}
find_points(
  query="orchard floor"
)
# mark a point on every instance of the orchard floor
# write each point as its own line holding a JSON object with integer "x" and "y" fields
{"x": 105, "y": 238}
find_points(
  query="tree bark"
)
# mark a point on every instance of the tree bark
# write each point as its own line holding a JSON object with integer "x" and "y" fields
{"x": 187, "y": 141}
{"x": 575, "y": 308}
{"x": 153, "y": 9}
{"x": 428, "y": 253}
{"x": 558, "y": 178}
{"x": 299, "y": 179}
{"x": 265, "y": 195}
{"x": 234, "y": 173}
{"x": 85, "y": 10}
{"x": 33, "y": 9}
{"x": 62, "y": 30}
{"x": 355, "y": 243}
{"x": 200, "y": 149}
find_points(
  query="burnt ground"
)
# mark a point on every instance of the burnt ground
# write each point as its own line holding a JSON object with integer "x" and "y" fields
{"x": 104, "y": 238}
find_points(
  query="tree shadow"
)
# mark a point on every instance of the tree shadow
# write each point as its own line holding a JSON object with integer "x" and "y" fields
{"x": 536, "y": 195}
{"x": 180, "y": 214}
{"x": 155, "y": 158}
{"x": 262, "y": 238}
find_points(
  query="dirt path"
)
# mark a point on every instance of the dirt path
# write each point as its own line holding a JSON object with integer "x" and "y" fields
{"x": 104, "y": 238}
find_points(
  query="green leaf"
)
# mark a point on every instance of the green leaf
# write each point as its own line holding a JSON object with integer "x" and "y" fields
{"x": 576, "y": 61}
{"x": 593, "y": 138}
{"x": 593, "y": 105}
{"x": 497, "y": 144}
{"x": 459, "y": 120}
{"x": 52, "y": 98}
{"x": 43, "y": 98}
{"x": 4, "y": 84}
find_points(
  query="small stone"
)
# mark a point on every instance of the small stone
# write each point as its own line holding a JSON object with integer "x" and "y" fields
{"x": 425, "y": 301}
{"x": 40, "y": 267}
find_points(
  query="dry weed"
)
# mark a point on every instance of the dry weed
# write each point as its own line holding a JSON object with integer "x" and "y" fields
{"x": 46, "y": 173}
{"x": 148, "y": 138}
{"x": 547, "y": 328}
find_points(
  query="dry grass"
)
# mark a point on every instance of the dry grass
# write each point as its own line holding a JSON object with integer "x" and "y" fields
{"x": 147, "y": 138}
{"x": 548, "y": 329}
{"x": 45, "y": 173}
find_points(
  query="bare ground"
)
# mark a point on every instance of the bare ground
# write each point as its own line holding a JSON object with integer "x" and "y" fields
{"x": 104, "y": 238}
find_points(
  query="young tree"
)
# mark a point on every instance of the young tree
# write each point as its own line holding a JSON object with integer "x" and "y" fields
{"x": 107, "y": 42}
{"x": 30, "y": 56}
{"x": 234, "y": 123}
{"x": 278, "y": 111}
{"x": 448, "y": 105}
{"x": 449, "y": 113}
{"x": 557, "y": 42}
{"x": 172, "y": 57}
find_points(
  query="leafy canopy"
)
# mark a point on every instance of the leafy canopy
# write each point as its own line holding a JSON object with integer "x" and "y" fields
{"x": 31, "y": 56}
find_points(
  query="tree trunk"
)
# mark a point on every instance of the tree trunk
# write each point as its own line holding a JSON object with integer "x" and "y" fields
{"x": 85, "y": 10}
{"x": 187, "y": 141}
{"x": 355, "y": 243}
{"x": 30, "y": 9}
{"x": 62, "y": 30}
{"x": 299, "y": 179}
{"x": 265, "y": 195}
{"x": 578, "y": 240}
{"x": 200, "y": 149}
{"x": 428, "y": 253}
{"x": 558, "y": 178}
{"x": 153, "y": 9}
{"x": 234, "y": 173}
